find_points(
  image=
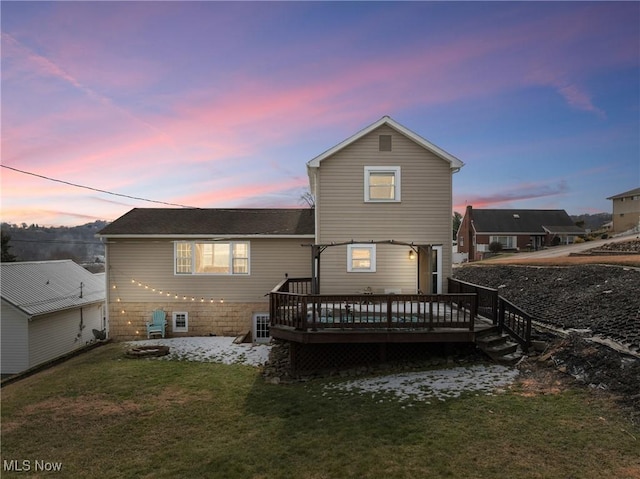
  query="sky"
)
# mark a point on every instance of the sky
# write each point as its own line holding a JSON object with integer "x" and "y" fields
{"x": 221, "y": 105}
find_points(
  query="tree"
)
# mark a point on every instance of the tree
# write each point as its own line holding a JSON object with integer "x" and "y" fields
{"x": 457, "y": 219}
{"x": 308, "y": 198}
{"x": 7, "y": 257}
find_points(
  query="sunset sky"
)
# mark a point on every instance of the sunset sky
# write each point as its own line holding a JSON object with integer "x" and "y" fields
{"x": 221, "y": 105}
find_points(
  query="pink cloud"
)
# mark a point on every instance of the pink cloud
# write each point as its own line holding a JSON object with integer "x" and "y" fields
{"x": 514, "y": 193}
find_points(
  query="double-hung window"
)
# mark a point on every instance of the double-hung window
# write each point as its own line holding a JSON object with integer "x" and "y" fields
{"x": 212, "y": 257}
{"x": 361, "y": 258}
{"x": 381, "y": 183}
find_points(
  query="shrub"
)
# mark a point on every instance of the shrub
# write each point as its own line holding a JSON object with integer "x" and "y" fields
{"x": 495, "y": 247}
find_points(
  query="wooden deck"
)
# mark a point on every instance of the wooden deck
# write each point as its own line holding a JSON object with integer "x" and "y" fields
{"x": 301, "y": 317}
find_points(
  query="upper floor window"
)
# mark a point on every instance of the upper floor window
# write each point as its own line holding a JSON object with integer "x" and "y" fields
{"x": 361, "y": 258}
{"x": 381, "y": 183}
{"x": 212, "y": 257}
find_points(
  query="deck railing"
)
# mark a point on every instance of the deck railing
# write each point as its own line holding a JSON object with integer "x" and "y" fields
{"x": 515, "y": 321}
{"x": 487, "y": 303}
{"x": 506, "y": 315}
{"x": 311, "y": 312}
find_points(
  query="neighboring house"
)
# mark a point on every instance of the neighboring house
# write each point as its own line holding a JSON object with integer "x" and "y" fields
{"x": 49, "y": 309}
{"x": 626, "y": 211}
{"x": 381, "y": 223}
{"x": 514, "y": 229}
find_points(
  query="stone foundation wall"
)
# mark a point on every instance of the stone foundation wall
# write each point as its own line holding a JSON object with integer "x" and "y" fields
{"x": 127, "y": 321}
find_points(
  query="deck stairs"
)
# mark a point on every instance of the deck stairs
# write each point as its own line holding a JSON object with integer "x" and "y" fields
{"x": 499, "y": 346}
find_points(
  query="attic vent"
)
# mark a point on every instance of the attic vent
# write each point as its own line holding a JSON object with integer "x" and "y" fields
{"x": 385, "y": 142}
{"x": 516, "y": 215}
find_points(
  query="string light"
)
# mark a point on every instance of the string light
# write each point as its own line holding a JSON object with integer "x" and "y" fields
{"x": 168, "y": 294}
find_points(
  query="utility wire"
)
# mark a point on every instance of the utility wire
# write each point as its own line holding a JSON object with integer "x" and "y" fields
{"x": 95, "y": 189}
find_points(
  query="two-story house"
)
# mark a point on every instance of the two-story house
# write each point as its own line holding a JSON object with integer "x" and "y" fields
{"x": 626, "y": 210}
{"x": 381, "y": 224}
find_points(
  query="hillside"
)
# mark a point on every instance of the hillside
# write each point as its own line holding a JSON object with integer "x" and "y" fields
{"x": 38, "y": 243}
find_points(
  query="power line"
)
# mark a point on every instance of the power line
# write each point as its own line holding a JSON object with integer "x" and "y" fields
{"x": 94, "y": 189}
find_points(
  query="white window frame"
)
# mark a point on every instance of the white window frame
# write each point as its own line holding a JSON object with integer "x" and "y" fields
{"x": 372, "y": 258}
{"x": 188, "y": 260}
{"x": 174, "y": 317}
{"x": 395, "y": 170}
{"x": 511, "y": 243}
{"x": 260, "y": 326}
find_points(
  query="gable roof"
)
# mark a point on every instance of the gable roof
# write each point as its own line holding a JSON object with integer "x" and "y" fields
{"x": 513, "y": 221}
{"x": 455, "y": 163}
{"x": 634, "y": 192}
{"x": 210, "y": 222}
{"x": 39, "y": 287}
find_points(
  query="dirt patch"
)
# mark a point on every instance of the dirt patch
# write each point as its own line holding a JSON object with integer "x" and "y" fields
{"x": 61, "y": 409}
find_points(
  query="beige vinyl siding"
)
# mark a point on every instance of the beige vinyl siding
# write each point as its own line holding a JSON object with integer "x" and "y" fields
{"x": 150, "y": 263}
{"x": 56, "y": 334}
{"x": 394, "y": 270}
{"x": 422, "y": 217}
{"x": 15, "y": 341}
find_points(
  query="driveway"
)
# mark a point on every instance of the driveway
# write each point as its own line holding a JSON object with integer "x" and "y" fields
{"x": 561, "y": 251}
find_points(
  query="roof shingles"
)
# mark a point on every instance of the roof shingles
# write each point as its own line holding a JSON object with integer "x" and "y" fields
{"x": 196, "y": 221}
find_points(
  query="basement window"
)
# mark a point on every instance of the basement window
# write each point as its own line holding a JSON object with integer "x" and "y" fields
{"x": 180, "y": 322}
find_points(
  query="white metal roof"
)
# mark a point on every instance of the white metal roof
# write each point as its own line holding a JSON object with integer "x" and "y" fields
{"x": 39, "y": 287}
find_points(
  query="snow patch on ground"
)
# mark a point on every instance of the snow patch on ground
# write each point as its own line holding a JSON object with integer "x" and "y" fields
{"x": 215, "y": 349}
{"x": 439, "y": 384}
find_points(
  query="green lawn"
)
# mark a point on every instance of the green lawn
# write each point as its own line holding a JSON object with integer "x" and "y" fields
{"x": 101, "y": 415}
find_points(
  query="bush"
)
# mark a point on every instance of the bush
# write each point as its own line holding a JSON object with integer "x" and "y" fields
{"x": 495, "y": 247}
{"x": 579, "y": 240}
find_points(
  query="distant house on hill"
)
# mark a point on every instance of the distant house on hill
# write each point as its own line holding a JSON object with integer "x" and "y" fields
{"x": 49, "y": 309}
{"x": 514, "y": 229}
{"x": 626, "y": 210}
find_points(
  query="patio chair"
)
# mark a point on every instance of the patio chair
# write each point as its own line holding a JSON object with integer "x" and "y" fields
{"x": 158, "y": 323}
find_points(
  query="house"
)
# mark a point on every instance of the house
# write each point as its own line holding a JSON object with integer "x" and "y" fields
{"x": 49, "y": 309}
{"x": 210, "y": 270}
{"x": 626, "y": 211}
{"x": 514, "y": 229}
{"x": 381, "y": 224}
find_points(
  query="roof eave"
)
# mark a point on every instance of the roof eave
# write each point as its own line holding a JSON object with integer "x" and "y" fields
{"x": 204, "y": 236}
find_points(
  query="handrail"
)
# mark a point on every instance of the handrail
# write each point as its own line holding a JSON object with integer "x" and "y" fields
{"x": 506, "y": 315}
{"x": 487, "y": 303}
{"x": 516, "y": 322}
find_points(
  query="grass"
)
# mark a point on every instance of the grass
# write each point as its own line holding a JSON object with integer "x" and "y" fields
{"x": 102, "y": 415}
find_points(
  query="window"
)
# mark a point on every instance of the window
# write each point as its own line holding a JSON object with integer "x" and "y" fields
{"x": 213, "y": 257}
{"x": 507, "y": 242}
{"x": 180, "y": 322}
{"x": 381, "y": 183}
{"x": 361, "y": 258}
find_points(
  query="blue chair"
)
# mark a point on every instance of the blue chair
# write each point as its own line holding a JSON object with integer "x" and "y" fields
{"x": 158, "y": 323}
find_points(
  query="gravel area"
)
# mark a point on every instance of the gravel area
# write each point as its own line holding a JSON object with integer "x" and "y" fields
{"x": 601, "y": 302}
{"x": 604, "y": 299}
